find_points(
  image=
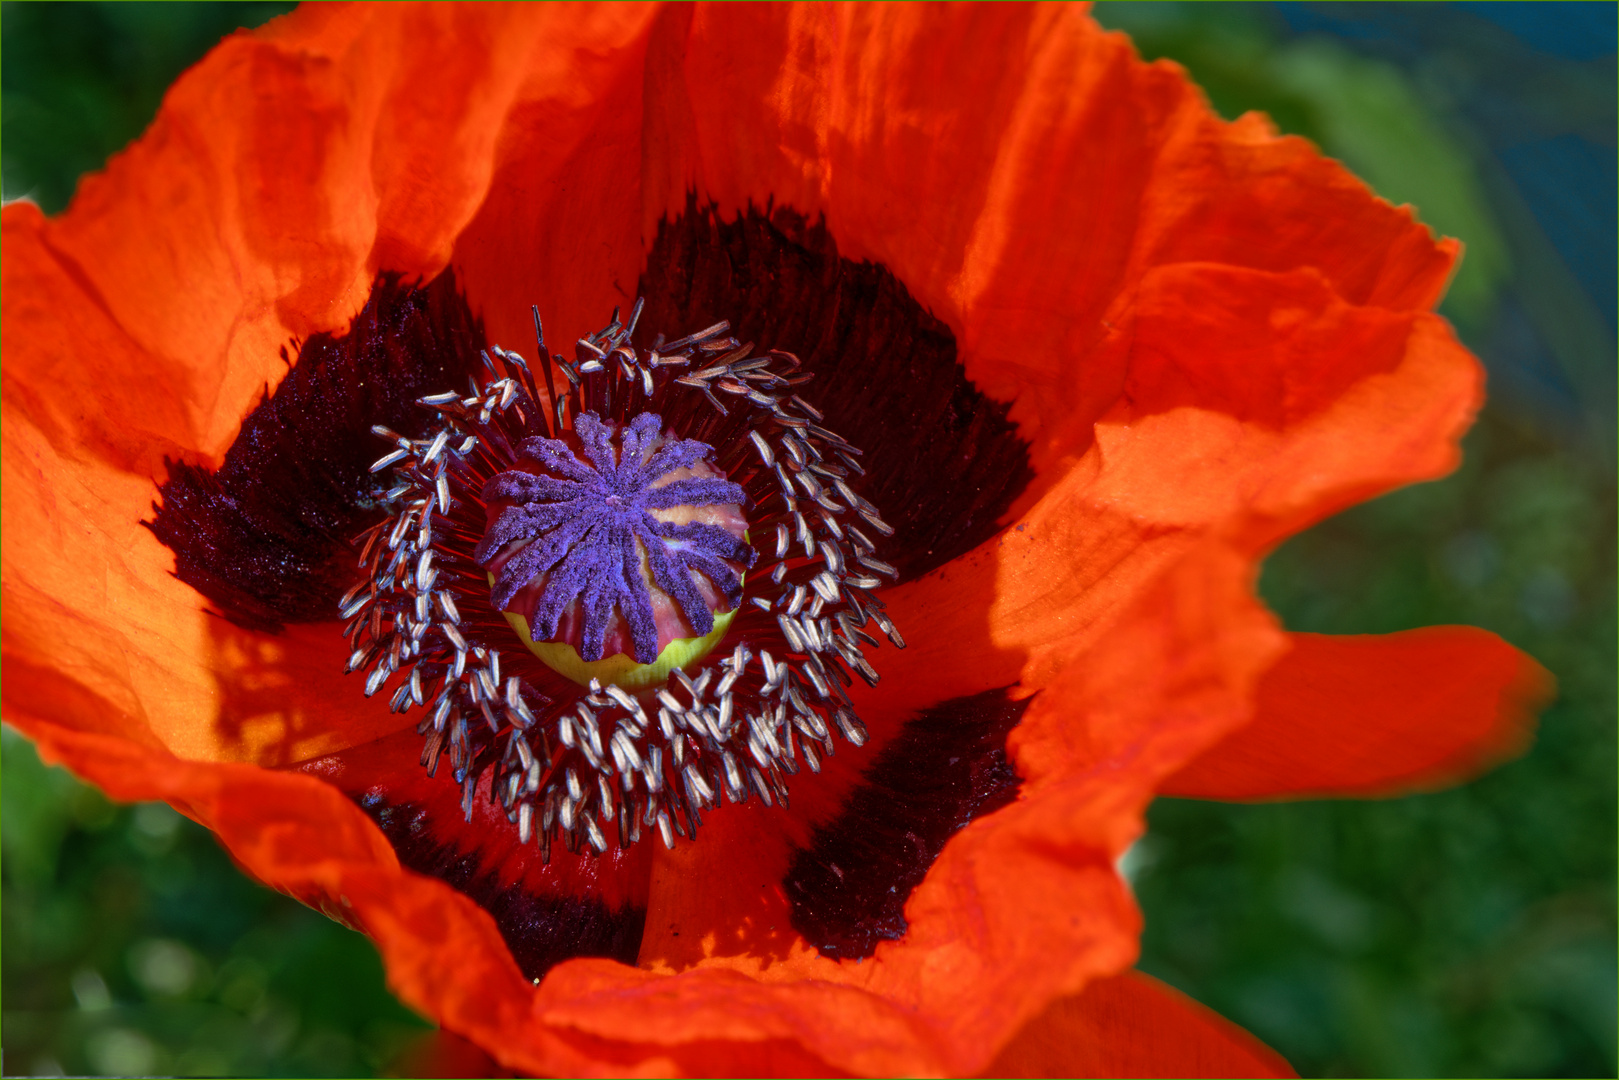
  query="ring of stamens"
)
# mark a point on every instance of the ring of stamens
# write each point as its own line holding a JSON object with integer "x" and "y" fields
{"x": 565, "y": 763}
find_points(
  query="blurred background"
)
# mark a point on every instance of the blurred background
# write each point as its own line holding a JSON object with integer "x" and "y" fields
{"x": 1465, "y": 933}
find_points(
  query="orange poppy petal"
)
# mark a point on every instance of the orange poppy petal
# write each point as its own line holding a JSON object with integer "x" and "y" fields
{"x": 443, "y": 953}
{"x": 124, "y": 647}
{"x": 1256, "y": 474}
{"x": 288, "y": 167}
{"x": 980, "y": 185}
{"x": 126, "y": 406}
{"x": 146, "y": 321}
{"x": 308, "y": 840}
{"x": 1134, "y": 1025}
{"x": 1248, "y": 428}
{"x": 1203, "y": 357}
{"x": 1172, "y": 677}
{"x": 1376, "y": 715}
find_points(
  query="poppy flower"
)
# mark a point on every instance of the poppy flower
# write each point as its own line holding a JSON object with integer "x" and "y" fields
{"x": 274, "y": 407}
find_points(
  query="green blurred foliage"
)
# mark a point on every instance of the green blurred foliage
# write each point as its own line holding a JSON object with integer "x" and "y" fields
{"x": 134, "y": 946}
{"x": 1464, "y": 933}
{"x": 1469, "y": 932}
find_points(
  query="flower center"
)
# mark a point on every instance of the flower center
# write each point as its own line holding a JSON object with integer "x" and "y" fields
{"x": 619, "y": 563}
{"x": 601, "y": 518}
